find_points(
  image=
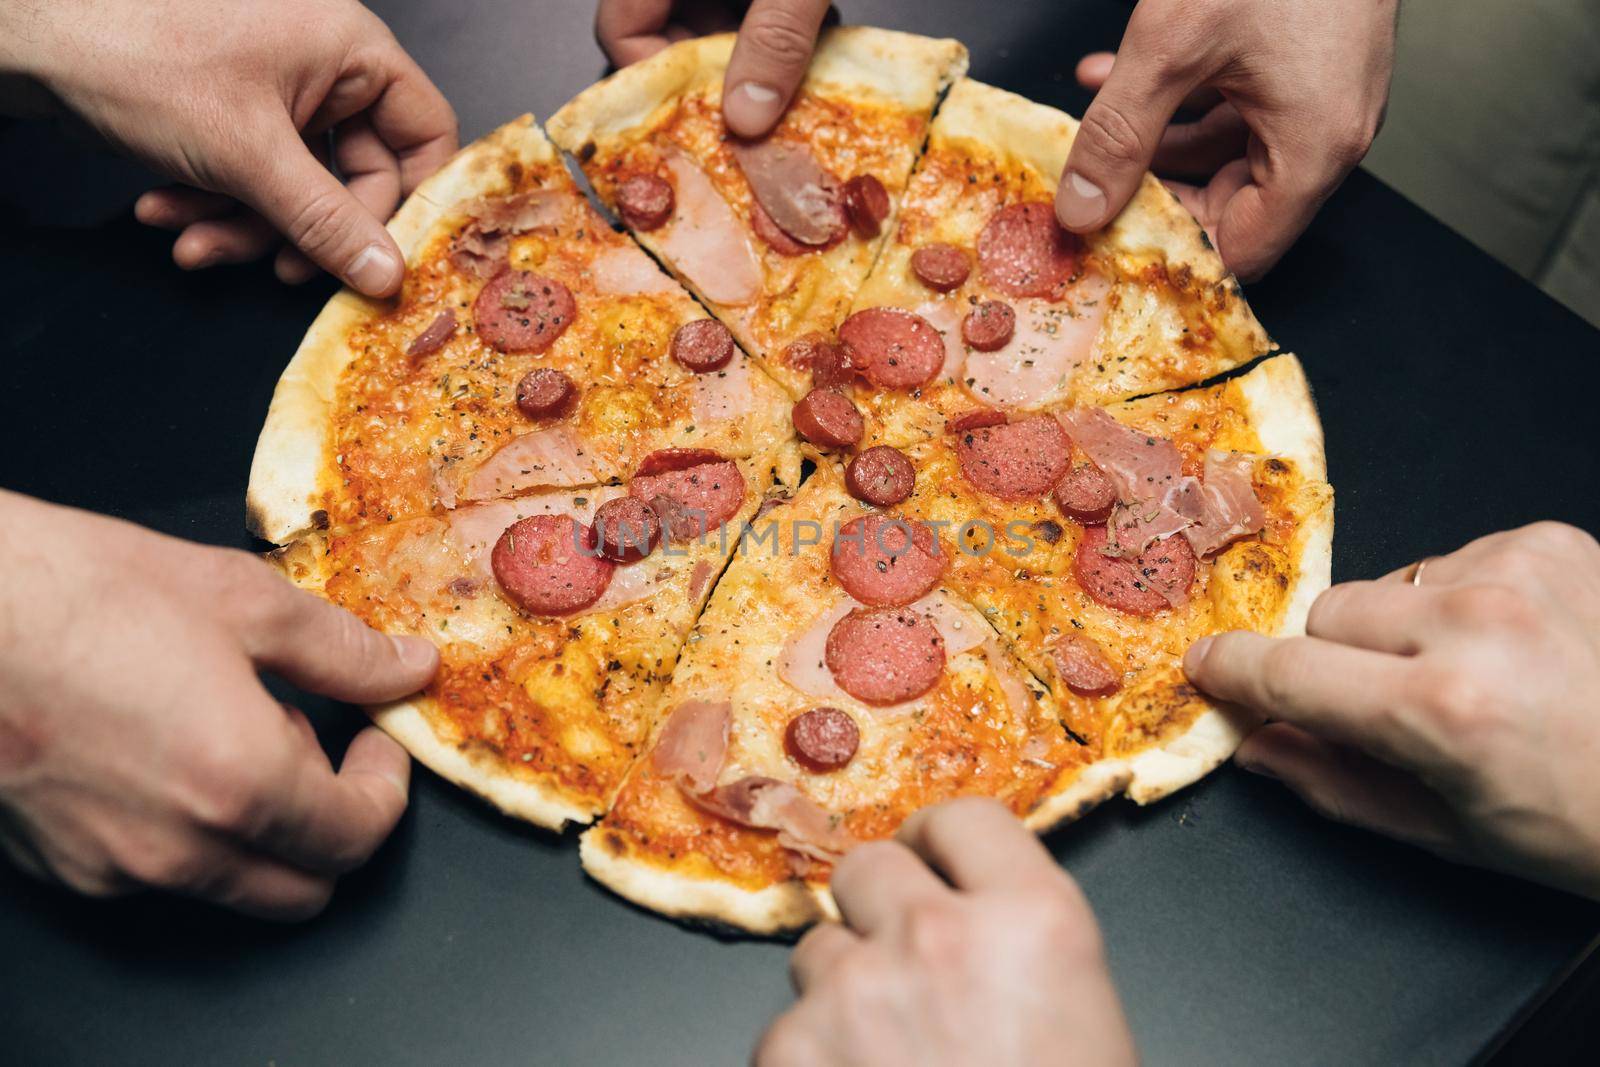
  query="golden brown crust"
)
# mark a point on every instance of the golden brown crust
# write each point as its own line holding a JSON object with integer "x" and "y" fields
{"x": 286, "y": 473}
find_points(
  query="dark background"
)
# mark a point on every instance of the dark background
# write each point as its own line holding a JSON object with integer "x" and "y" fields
{"x": 1457, "y": 401}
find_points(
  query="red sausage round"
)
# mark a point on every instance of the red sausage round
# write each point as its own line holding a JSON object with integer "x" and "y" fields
{"x": 893, "y": 348}
{"x": 1133, "y": 586}
{"x": 770, "y": 232}
{"x": 1083, "y": 667}
{"x": 702, "y": 495}
{"x": 628, "y": 529}
{"x": 1086, "y": 494}
{"x": 822, "y": 739}
{"x": 989, "y": 326}
{"x": 881, "y": 476}
{"x": 885, "y": 655}
{"x": 1017, "y": 461}
{"x": 827, "y": 418}
{"x": 940, "y": 266}
{"x": 1023, "y": 251}
{"x": 976, "y": 419}
{"x": 519, "y": 311}
{"x": 886, "y": 562}
{"x": 702, "y": 345}
{"x": 645, "y": 201}
{"x": 544, "y": 392}
{"x": 547, "y": 565}
{"x": 866, "y": 201}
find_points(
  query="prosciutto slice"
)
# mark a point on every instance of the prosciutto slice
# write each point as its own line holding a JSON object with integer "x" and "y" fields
{"x": 1051, "y": 341}
{"x": 482, "y": 248}
{"x": 705, "y": 240}
{"x": 1223, "y": 506}
{"x": 694, "y": 744}
{"x": 794, "y": 188}
{"x": 549, "y": 458}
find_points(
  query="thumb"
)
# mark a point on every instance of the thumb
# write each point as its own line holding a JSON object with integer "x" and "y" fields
{"x": 324, "y": 649}
{"x": 306, "y": 203}
{"x": 1117, "y": 139}
{"x": 769, "y": 61}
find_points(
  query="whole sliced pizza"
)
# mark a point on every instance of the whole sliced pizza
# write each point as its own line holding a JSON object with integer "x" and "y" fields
{"x": 831, "y": 481}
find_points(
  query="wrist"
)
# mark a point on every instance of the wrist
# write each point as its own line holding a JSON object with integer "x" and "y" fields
{"x": 29, "y": 38}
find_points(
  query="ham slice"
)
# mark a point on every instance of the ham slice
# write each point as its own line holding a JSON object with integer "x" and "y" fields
{"x": 705, "y": 240}
{"x": 802, "y": 663}
{"x": 1051, "y": 341}
{"x": 549, "y": 458}
{"x": 793, "y": 188}
{"x": 694, "y": 743}
{"x": 945, "y": 317}
{"x": 626, "y": 270}
{"x": 1223, "y": 506}
{"x": 728, "y": 393}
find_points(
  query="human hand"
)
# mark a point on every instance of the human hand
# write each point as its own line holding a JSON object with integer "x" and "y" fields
{"x": 776, "y": 39}
{"x": 1462, "y": 714}
{"x": 963, "y": 942}
{"x": 237, "y": 101}
{"x": 1292, "y": 94}
{"x": 139, "y": 749}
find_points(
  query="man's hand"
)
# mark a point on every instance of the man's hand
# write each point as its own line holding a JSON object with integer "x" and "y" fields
{"x": 776, "y": 39}
{"x": 1461, "y": 714}
{"x": 963, "y": 942}
{"x": 139, "y": 749}
{"x": 1292, "y": 94}
{"x": 237, "y": 101}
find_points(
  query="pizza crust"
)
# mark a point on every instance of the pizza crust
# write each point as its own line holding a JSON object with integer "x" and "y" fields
{"x": 903, "y": 68}
{"x": 285, "y": 475}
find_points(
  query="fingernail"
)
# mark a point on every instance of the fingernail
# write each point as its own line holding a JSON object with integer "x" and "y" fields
{"x": 751, "y": 106}
{"x": 375, "y": 271}
{"x": 1196, "y": 656}
{"x": 414, "y": 653}
{"x": 1080, "y": 203}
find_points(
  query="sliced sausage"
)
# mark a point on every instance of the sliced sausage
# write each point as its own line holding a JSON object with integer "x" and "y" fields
{"x": 780, "y": 242}
{"x": 885, "y": 655}
{"x": 519, "y": 311}
{"x": 893, "y": 348}
{"x": 429, "y": 341}
{"x": 1086, "y": 494}
{"x": 826, "y": 361}
{"x": 646, "y": 201}
{"x": 989, "y": 326}
{"x": 628, "y": 529}
{"x": 547, "y": 565}
{"x": 886, "y": 562}
{"x": 881, "y": 476}
{"x": 793, "y": 189}
{"x": 1083, "y": 667}
{"x": 1023, "y": 251}
{"x": 702, "y": 346}
{"x": 1140, "y": 586}
{"x": 544, "y": 392}
{"x": 866, "y": 201}
{"x": 675, "y": 459}
{"x": 822, "y": 739}
{"x": 827, "y": 418}
{"x": 696, "y": 498}
{"x": 1018, "y": 461}
{"x": 940, "y": 266}
{"x": 975, "y": 419}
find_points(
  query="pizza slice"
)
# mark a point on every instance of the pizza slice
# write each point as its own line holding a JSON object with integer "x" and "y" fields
{"x": 532, "y": 348}
{"x": 1101, "y": 542}
{"x": 980, "y": 297}
{"x": 558, "y": 615}
{"x": 775, "y": 235}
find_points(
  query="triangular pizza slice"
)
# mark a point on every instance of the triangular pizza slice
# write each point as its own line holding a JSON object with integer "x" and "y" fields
{"x": 980, "y": 297}
{"x": 776, "y": 235}
{"x": 532, "y": 348}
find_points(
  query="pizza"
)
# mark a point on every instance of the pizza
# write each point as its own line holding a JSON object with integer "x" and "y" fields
{"x": 831, "y": 481}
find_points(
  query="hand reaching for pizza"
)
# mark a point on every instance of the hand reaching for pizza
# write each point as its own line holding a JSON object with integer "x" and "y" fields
{"x": 962, "y": 942}
{"x": 139, "y": 749}
{"x": 1291, "y": 94}
{"x": 1461, "y": 714}
{"x": 776, "y": 38}
{"x": 257, "y": 110}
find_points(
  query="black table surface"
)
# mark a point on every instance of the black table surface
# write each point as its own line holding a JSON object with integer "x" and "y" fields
{"x": 1241, "y": 928}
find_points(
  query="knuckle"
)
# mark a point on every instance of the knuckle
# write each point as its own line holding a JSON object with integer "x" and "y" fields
{"x": 1559, "y": 537}
{"x": 785, "y": 1044}
{"x": 1490, "y": 608}
{"x": 1454, "y": 700}
{"x": 1332, "y": 603}
{"x": 321, "y": 224}
{"x": 778, "y": 37}
{"x": 167, "y": 866}
{"x": 862, "y": 977}
{"x": 1061, "y": 922}
{"x": 225, "y": 788}
{"x": 1111, "y": 135}
{"x": 936, "y": 931}
{"x": 1284, "y": 670}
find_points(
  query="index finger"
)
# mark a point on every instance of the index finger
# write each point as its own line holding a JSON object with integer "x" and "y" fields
{"x": 631, "y": 30}
{"x": 769, "y": 62}
{"x": 976, "y": 843}
{"x": 412, "y": 117}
